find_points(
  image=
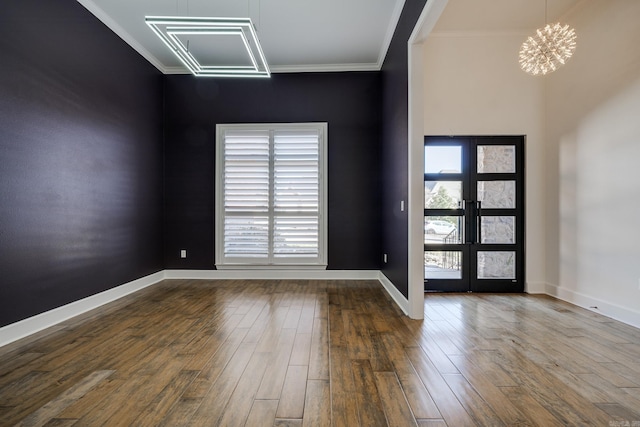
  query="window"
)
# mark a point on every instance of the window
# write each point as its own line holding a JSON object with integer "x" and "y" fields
{"x": 271, "y": 195}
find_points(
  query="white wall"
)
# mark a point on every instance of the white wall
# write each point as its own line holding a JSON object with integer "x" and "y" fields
{"x": 473, "y": 85}
{"x": 593, "y": 130}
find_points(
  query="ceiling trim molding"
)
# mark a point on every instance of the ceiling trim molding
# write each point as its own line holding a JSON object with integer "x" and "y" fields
{"x": 282, "y": 69}
{"x": 391, "y": 29}
{"x": 176, "y": 70}
{"x": 116, "y": 28}
{"x": 479, "y": 33}
{"x": 324, "y": 68}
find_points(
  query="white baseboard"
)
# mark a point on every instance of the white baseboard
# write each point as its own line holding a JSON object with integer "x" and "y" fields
{"x": 37, "y": 323}
{"x": 273, "y": 274}
{"x": 394, "y": 293}
{"x": 536, "y": 288}
{"x": 614, "y": 311}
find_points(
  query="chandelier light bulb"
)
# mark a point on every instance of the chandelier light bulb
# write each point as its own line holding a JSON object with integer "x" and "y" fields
{"x": 548, "y": 49}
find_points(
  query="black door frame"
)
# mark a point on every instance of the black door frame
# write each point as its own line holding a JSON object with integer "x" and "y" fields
{"x": 471, "y": 211}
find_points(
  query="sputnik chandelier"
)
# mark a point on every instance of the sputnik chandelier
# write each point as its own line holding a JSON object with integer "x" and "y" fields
{"x": 548, "y": 49}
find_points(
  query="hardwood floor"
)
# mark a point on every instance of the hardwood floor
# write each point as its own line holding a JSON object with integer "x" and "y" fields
{"x": 320, "y": 353}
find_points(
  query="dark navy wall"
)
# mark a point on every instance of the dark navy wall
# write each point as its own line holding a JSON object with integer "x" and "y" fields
{"x": 395, "y": 148}
{"x": 86, "y": 202}
{"x": 349, "y": 102}
{"x": 80, "y": 158}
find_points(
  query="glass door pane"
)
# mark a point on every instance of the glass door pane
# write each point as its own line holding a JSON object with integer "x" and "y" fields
{"x": 442, "y": 194}
{"x": 498, "y": 230}
{"x": 496, "y": 265}
{"x": 443, "y": 159}
{"x": 442, "y": 264}
{"x": 496, "y": 159}
{"x": 444, "y": 221}
{"x": 442, "y": 229}
{"x": 497, "y": 194}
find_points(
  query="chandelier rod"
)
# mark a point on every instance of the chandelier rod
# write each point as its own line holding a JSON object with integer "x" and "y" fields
{"x": 546, "y": 17}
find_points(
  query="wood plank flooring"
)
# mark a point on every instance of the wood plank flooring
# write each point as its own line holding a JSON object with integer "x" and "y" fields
{"x": 323, "y": 353}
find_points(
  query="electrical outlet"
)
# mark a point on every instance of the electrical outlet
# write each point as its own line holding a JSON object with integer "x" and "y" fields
{"x": 183, "y": 253}
{"x": 384, "y": 258}
{"x": 401, "y": 205}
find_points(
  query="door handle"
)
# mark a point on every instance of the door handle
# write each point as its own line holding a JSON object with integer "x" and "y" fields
{"x": 475, "y": 222}
{"x": 462, "y": 224}
{"x": 470, "y": 222}
{"x": 479, "y": 221}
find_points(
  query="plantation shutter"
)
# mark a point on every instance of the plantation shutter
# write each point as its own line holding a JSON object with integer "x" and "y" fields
{"x": 271, "y": 195}
{"x": 246, "y": 194}
{"x": 296, "y": 193}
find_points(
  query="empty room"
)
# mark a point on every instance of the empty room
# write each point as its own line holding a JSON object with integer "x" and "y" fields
{"x": 319, "y": 213}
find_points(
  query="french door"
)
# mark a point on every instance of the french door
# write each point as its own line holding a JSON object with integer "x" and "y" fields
{"x": 474, "y": 214}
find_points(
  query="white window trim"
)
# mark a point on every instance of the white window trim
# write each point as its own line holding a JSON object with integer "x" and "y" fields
{"x": 287, "y": 263}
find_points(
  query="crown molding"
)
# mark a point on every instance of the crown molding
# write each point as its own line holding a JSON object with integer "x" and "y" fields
{"x": 391, "y": 29}
{"x": 175, "y": 70}
{"x": 283, "y": 69}
{"x": 324, "y": 68}
{"x": 479, "y": 34}
{"x": 116, "y": 28}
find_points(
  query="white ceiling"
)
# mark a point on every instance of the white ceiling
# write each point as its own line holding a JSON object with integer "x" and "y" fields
{"x": 318, "y": 35}
{"x": 296, "y": 35}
